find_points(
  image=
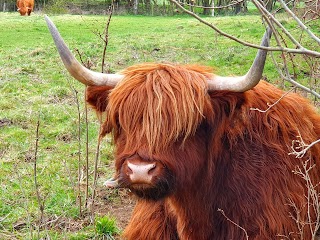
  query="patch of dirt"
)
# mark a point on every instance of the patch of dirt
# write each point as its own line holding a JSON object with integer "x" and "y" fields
{"x": 5, "y": 122}
{"x": 67, "y": 137}
{"x": 29, "y": 156}
{"x": 116, "y": 203}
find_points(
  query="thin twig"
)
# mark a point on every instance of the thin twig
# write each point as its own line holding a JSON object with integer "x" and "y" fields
{"x": 40, "y": 202}
{"x": 237, "y": 225}
{"x": 79, "y": 150}
{"x": 312, "y": 198}
{"x": 289, "y": 79}
{"x": 95, "y": 175}
{"x": 87, "y": 151}
{"x": 106, "y": 37}
{"x": 301, "y": 145}
{"x": 272, "y": 105}
{"x": 51, "y": 221}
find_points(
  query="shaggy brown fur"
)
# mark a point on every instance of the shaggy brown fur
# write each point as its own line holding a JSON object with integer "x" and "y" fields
{"x": 158, "y": 106}
{"x": 156, "y": 223}
{"x": 25, "y": 7}
{"x": 220, "y": 152}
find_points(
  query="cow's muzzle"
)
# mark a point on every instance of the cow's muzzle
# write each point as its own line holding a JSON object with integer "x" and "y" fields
{"x": 136, "y": 172}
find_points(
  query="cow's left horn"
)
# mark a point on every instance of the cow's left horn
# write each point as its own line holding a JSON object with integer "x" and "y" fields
{"x": 248, "y": 81}
{"x": 78, "y": 71}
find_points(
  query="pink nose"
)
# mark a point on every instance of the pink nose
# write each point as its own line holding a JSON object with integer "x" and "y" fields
{"x": 140, "y": 172}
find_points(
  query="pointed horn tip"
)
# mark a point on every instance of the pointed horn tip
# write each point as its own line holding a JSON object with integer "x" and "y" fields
{"x": 111, "y": 183}
{"x": 48, "y": 21}
{"x": 266, "y": 38}
{"x": 78, "y": 71}
{"x": 251, "y": 78}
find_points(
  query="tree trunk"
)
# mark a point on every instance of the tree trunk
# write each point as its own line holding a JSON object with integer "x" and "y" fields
{"x": 268, "y": 4}
{"x": 148, "y": 6}
{"x": 212, "y": 10}
{"x": 237, "y": 8}
{"x": 135, "y": 7}
{"x": 191, "y": 5}
{"x": 206, "y": 4}
{"x": 219, "y": 5}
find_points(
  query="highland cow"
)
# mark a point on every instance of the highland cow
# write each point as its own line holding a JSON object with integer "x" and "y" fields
{"x": 25, "y": 7}
{"x": 203, "y": 163}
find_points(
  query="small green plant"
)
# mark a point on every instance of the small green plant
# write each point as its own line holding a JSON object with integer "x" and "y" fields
{"x": 106, "y": 227}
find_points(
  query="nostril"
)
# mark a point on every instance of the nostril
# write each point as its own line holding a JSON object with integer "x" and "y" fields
{"x": 152, "y": 168}
{"x": 128, "y": 170}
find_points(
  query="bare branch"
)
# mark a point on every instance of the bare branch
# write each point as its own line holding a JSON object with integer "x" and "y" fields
{"x": 267, "y": 15}
{"x": 95, "y": 176}
{"x": 289, "y": 79}
{"x": 87, "y": 150}
{"x": 275, "y": 103}
{"x": 106, "y": 37}
{"x": 79, "y": 149}
{"x": 299, "y": 147}
{"x": 304, "y": 27}
{"x": 39, "y": 199}
{"x": 312, "y": 205}
{"x": 281, "y": 49}
{"x": 245, "y": 232}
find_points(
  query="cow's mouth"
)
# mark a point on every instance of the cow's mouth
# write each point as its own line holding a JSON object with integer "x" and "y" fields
{"x": 152, "y": 191}
{"x": 159, "y": 189}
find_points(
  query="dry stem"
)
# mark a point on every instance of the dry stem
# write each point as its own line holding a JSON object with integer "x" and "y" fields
{"x": 299, "y": 147}
{"x": 40, "y": 202}
{"x": 245, "y": 232}
{"x": 313, "y": 201}
{"x": 79, "y": 151}
{"x": 272, "y": 105}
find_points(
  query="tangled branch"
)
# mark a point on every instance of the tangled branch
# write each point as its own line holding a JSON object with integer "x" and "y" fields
{"x": 299, "y": 147}
{"x": 300, "y": 50}
{"x": 313, "y": 201}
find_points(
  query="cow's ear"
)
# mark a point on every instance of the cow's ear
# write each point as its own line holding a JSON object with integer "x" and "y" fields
{"x": 97, "y": 97}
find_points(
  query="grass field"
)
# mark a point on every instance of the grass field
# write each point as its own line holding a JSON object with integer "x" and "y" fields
{"x": 35, "y": 88}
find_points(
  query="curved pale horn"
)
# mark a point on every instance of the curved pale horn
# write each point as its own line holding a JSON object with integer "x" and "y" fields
{"x": 248, "y": 81}
{"x": 76, "y": 69}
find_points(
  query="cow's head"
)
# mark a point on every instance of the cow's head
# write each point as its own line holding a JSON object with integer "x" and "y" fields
{"x": 156, "y": 113}
{"x": 160, "y": 115}
{"x": 23, "y": 10}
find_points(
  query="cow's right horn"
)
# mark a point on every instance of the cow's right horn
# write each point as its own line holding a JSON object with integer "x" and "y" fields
{"x": 251, "y": 78}
{"x": 76, "y": 69}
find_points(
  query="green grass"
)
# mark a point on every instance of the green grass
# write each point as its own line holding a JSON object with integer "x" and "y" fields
{"x": 35, "y": 86}
{"x": 106, "y": 227}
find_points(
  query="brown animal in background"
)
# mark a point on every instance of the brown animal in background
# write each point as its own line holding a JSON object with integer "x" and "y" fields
{"x": 189, "y": 145}
{"x": 25, "y": 7}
